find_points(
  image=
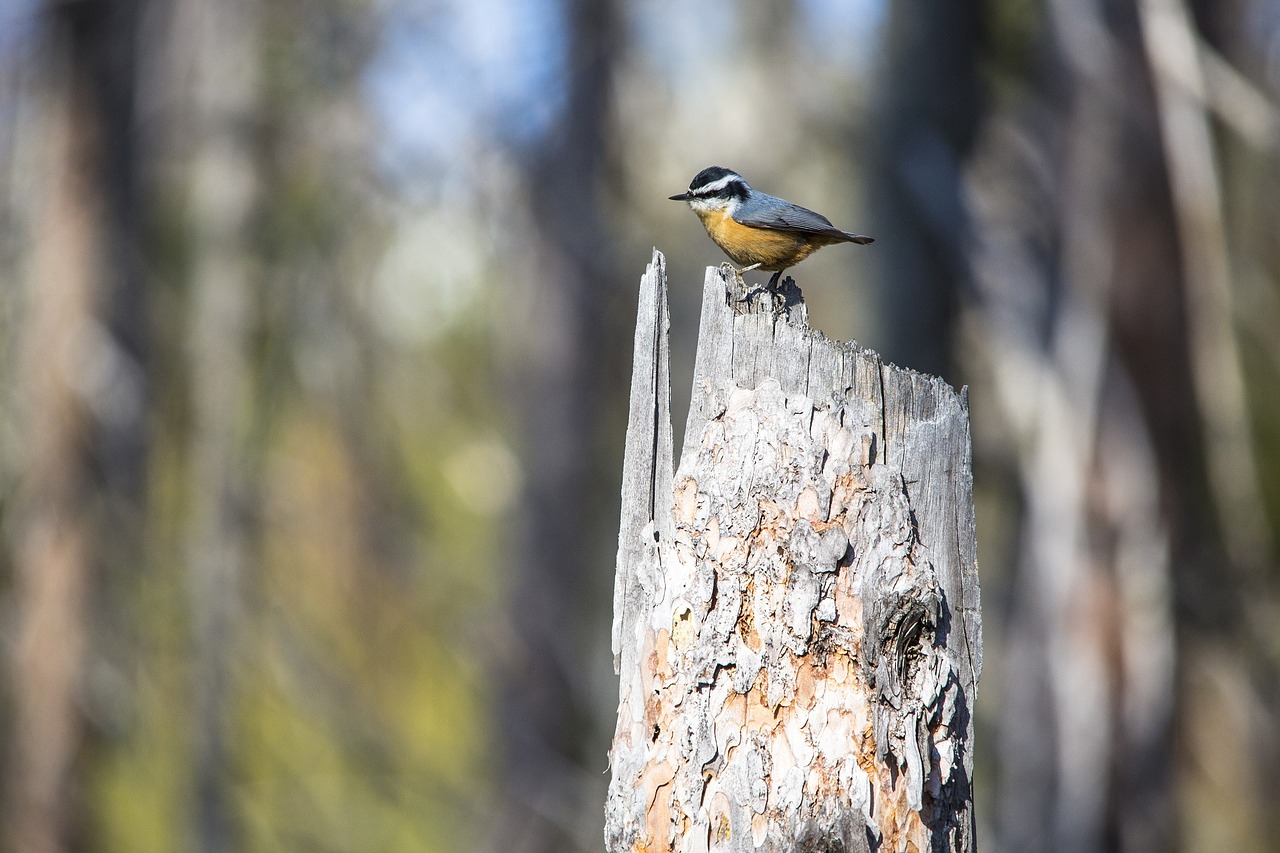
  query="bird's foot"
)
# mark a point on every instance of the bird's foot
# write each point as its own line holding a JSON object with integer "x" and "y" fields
{"x": 751, "y": 295}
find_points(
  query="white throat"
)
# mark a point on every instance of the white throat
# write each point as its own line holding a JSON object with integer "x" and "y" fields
{"x": 714, "y": 205}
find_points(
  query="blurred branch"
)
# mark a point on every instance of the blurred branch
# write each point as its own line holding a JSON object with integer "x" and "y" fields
{"x": 1172, "y": 49}
{"x": 1240, "y": 104}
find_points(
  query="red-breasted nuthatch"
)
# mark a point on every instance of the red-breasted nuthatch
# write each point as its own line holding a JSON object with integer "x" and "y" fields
{"x": 757, "y": 230}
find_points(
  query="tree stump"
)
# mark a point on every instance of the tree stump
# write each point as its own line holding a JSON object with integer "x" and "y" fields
{"x": 796, "y": 615}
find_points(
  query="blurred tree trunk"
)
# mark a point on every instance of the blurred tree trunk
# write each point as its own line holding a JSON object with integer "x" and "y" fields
{"x": 545, "y": 701}
{"x": 53, "y": 539}
{"x": 926, "y": 117}
{"x": 84, "y": 399}
{"x": 223, "y": 188}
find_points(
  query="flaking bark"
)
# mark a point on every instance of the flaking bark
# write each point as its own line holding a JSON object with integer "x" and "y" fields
{"x": 796, "y": 620}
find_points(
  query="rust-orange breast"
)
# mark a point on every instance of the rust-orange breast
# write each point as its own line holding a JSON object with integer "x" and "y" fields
{"x": 772, "y": 250}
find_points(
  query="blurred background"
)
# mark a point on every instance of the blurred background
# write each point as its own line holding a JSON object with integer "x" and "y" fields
{"x": 315, "y": 328}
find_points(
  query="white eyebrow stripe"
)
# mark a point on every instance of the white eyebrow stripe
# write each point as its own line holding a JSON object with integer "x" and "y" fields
{"x": 717, "y": 184}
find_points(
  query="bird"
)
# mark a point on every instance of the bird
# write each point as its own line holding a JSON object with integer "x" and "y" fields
{"x": 757, "y": 230}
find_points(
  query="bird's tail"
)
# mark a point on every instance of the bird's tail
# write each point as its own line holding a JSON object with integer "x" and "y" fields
{"x": 857, "y": 238}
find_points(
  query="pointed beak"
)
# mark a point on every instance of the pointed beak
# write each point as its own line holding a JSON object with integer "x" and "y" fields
{"x": 681, "y": 197}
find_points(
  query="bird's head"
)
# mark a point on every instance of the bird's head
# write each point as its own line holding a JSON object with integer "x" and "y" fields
{"x": 714, "y": 188}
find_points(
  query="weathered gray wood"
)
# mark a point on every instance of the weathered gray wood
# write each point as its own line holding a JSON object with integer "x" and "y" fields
{"x": 796, "y": 619}
{"x": 647, "y": 460}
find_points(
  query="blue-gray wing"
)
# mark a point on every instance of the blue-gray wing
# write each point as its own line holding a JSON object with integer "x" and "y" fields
{"x": 762, "y": 210}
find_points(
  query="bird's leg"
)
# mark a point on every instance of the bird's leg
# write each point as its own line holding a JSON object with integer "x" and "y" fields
{"x": 773, "y": 282}
{"x": 740, "y": 271}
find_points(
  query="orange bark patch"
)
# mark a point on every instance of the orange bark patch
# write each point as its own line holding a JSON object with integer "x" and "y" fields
{"x": 806, "y": 686}
{"x": 655, "y": 783}
{"x": 661, "y": 651}
{"x": 658, "y": 820}
{"x": 734, "y": 712}
{"x": 760, "y": 716}
{"x": 685, "y": 498}
{"x": 807, "y": 506}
